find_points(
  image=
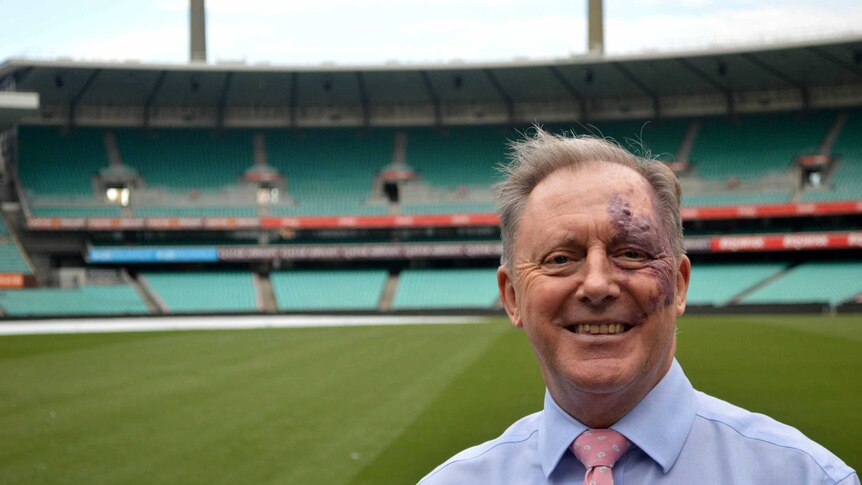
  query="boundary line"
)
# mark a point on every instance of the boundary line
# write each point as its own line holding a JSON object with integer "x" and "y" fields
{"x": 164, "y": 324}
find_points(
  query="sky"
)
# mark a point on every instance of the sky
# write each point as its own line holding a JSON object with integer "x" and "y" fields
{"x": 356, "y": 32}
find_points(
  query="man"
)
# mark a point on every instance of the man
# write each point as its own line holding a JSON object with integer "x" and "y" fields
{"x": 594, "y": 271}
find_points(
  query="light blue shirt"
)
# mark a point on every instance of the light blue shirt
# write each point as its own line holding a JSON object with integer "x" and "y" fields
{"x": 678, "y": 435}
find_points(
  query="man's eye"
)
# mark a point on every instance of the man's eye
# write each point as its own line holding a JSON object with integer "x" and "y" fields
{"x": 560, "y": 259}
{"x": 633, "y": 254}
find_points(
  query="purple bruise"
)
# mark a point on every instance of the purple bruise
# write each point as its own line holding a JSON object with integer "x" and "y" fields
{"x": 643, "y": 232}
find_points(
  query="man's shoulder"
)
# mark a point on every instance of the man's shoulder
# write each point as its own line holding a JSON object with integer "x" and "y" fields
{"x": 783, "y": 443}
{"x": 482, "y": 460}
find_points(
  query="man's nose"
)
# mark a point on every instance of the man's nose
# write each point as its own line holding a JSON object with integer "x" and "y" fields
{"x": 598, "y": 285}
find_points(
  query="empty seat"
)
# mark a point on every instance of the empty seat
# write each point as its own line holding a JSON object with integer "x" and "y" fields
{"x": 86, "y": 300}
{"x": 446, "y": 288}
{"x": 328, "y": 289}
{"x": 718, "y": 283}
{"x": 831, "y": 282}
{"x": 204, "y": 291}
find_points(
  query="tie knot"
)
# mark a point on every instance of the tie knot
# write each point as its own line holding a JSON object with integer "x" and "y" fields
{"x": 600, "y": 447}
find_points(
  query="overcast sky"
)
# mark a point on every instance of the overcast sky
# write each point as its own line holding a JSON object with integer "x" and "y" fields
{"x": 407, "y": 31}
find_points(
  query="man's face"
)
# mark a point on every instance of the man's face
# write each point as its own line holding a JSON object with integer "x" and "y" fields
{"x": 596, "y": 285}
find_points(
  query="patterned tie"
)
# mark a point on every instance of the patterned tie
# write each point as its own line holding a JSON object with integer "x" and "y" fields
{"x": 598, "y": 450}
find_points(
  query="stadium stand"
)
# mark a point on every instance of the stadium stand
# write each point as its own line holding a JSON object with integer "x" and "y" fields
{"x": 662, "y": 138}
{"x": 720, "y": 283}
{"x": 830, "y": 281}
{"x": 86, "y": 300}
{"x": 459, "y": 157}
{"x": 328, "y": 289}
{"x": 761, "y": 144}
{"x": 446, "y": 288}
{"x": 235, "y": 211}
{"x": 210, "y": 291}
{"x": 732, "y": 198}
{"x": 11, "y": 260}
{"x": 333, "y": 171}
{"x": 845, "y": 182}
{"x": 448, "y": 208}
{"x": 329, "y": 172}
{"x": 52, "y": 164}
{"x": 76, "y": 211}
{"x": 180, "y": 160}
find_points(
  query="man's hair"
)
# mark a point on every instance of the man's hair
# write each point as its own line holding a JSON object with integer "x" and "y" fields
{"x": 542, "y": 153}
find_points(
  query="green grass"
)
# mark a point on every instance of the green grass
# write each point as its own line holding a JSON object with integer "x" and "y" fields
{"x": 359, "y": 405}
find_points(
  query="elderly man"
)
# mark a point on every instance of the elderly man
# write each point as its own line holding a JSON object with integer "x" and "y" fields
{"x": 594, "y": 271}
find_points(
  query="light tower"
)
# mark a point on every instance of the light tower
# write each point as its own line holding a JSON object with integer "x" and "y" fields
{"x": 197, "y": 31}
{"x": 595, "y": 28}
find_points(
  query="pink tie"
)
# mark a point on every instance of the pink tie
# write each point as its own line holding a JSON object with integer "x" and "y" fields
{"x": 598, "y": 450}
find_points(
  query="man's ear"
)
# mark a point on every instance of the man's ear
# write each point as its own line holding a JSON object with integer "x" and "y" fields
{"x": 506, "y": 284}
{"x": 683, "y": 275}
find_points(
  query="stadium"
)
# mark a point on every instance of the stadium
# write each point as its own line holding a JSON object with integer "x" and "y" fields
{"x": 343, "y": 217}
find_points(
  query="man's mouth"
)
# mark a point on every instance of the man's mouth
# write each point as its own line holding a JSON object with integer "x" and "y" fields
{"x": 599, "y": 328}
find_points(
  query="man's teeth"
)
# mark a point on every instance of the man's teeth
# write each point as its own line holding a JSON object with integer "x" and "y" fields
{"x": 604, "y": 328}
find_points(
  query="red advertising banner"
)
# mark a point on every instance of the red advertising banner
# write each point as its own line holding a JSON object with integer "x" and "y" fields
{"x": 787, "y": 242}
{"x": 771, "y": 210}
{"x": 429, "y": 220}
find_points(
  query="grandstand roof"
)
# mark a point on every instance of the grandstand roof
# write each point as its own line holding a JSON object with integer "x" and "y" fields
{"x": 581, "y": 79}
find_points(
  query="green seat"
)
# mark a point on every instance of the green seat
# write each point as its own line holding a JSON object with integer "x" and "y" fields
{"x": 53, "y": 164}
{"x": 183, "y": 160}
{"x": 331, "y": 171}
{"x": 446, "y": 288}
{"x": 86, "y": 300}
{"x": 845, "y": 183}
{"x": 718, "y": 283}
{"x": 11, "y": 259}
{"x": 756, "y": 145}
{"x": 831, "y": 282}
{"x": 328, "y": 289}
{"x": 204, "y": 291}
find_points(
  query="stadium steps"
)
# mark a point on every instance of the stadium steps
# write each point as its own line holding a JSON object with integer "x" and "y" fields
{"x": 748, "y": 291}
{"x": 388, "y": 293}
{"x": 265, "y": 296}
{"x": 259, "y": 147}
{"x": 112, "y": 149}
{"x": 828, "y": 141}
{"x": 13, "y": 258}
{"x": 684, "y": 150}
{"x": 150, "y": 297}
{"x": 143, "y": 292}
{"x": 832, "y": 282}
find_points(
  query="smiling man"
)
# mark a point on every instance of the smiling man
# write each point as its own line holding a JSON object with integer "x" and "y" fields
{"x": 594, "y": 271}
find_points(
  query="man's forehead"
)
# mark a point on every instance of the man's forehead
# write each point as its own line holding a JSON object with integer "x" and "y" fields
{"x": 603, "y": 180}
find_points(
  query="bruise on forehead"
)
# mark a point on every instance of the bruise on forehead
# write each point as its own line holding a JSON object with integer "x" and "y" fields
{"x": 642, "y": 232}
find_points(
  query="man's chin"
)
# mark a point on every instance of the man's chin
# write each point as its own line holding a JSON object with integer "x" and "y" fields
{"x": 608, "y": 376}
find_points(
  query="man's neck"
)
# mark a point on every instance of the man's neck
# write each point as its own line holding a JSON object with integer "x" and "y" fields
{"x": 602, "y": 410}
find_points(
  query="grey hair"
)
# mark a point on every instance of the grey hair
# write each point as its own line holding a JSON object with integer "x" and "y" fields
{"x": 540, "y": 154}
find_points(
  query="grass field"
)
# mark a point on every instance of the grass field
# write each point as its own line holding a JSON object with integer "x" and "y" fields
{"x": 359, "y": 405}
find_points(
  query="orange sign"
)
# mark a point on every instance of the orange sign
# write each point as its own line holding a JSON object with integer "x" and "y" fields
{"x": 11, "y": 280}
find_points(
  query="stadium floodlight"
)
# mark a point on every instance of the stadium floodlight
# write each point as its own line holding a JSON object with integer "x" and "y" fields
{"x": 118, "y": 195}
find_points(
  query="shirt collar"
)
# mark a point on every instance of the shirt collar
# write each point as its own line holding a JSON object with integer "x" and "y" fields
{"x": 558, "y": 430}
{"x": 658, "y": 425}
{"x": 661, "y": 422}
